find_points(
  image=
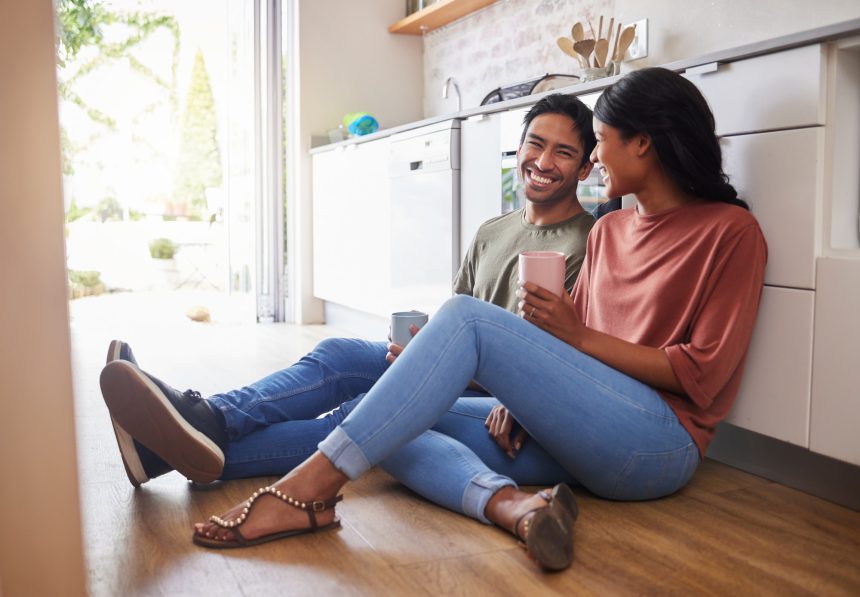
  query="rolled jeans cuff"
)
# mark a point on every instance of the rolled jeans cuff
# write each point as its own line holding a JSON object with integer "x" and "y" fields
{"x": 344, "y": 454}
{"x": 479, "y": 491}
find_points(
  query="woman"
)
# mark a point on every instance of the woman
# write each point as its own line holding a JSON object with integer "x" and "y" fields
{"x": 620, "y": 385}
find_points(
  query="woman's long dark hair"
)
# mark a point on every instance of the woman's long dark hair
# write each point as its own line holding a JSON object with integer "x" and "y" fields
{"x": 672, "y": 111}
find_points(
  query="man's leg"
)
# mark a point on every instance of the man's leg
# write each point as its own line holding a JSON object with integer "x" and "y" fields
{"x": 337, "y": 370}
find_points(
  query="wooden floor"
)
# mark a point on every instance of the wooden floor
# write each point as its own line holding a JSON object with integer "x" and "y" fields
{"x": 727, "y": 533}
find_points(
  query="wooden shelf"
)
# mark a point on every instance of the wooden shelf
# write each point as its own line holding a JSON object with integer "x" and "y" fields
{"x": 436, "y": 15}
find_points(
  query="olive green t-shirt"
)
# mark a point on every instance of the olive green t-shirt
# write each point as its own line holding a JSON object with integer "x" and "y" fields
{"x": 489, "y": 270}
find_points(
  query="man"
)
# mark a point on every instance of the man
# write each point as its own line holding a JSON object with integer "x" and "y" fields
{"x": 272, "y": 425}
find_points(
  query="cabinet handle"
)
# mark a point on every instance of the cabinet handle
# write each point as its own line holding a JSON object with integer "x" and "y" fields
{"x": 703, "y": 69}
{"x": 416, "y": 165}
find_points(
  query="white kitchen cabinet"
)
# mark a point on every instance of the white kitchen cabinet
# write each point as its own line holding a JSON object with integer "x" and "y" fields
{"x": 836, "y": 367}
{"x": 777, "y": 173}
{"x": 480, "y": 175}
{"x": 351, "y": 226}
{"x": 775, "y": 91}
{"x": 774, "y": 396}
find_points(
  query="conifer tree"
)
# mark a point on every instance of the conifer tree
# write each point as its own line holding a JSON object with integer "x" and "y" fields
{"x": 198, "y": 165}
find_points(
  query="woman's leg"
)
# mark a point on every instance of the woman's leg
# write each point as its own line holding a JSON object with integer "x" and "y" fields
{"x": 338, "y": 369}
{"x": 609, "y": 431}
{"x": 458, "y": 465}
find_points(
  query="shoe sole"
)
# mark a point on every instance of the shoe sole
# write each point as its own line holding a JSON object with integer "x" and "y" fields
{"x": 550, "y": 539}
{"x": 127, "y": 451}
{"x": 143, "y": 411}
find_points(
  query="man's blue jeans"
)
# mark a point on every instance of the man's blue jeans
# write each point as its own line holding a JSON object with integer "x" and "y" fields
{"x": 588, "y": 423}
{"x": 272, "y": 424}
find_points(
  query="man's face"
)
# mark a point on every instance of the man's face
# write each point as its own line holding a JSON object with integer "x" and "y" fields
{"x": 550, "y": 160}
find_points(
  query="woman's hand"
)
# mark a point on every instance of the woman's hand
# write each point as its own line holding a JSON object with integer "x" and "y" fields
{"x": 500, "y": 422}
{"x": 554, "y": 314}
{"x": 557, "y": 316}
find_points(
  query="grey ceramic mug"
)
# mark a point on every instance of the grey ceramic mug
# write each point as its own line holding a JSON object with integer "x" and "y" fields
{"x": 400, "y": 322}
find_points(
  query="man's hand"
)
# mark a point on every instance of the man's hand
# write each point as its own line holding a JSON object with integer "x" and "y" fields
{"x": 554, "y": 314}
{"x": 394, "y": 350}
{"x": 500, "y": 422}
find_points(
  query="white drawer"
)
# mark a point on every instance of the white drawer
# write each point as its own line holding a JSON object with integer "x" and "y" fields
{"x": 777, "y": 173}
{"x": 774, "y": 395}
{"x": 776, "y": 91}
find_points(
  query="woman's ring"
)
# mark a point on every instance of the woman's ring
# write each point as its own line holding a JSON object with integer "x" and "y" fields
{"x": 532, "y": 314}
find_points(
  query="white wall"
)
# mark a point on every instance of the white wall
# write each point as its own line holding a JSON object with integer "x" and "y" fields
{"x": 348, "y": 62}
{"x": 515, "y": 40}
{"x": 41, "y": 550}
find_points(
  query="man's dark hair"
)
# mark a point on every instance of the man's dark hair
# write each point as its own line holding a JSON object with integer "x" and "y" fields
{"x": 570, "y": 106}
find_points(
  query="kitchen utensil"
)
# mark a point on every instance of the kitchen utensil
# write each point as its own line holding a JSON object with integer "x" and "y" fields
{"x": 566, "y": 45}
{"x": 615, "y": 46}
{"x": 609, "y": 31}
{"x": 584, "y": 47}
{"x": 591, "y": 26}
{"x": 577, "y": 32}
{"x": 599, "y": 28}
{"x": 626, "y": 39}
{"x": 601, "y": 49}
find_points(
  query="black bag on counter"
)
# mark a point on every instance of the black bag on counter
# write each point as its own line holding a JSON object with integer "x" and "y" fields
{"x": 547, "y": 82}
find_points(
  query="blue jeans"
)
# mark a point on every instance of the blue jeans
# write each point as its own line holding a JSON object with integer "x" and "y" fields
{"x": 587, "y": 422}
{"x": 275, "y": 423}
{"x": 272, "y": 424}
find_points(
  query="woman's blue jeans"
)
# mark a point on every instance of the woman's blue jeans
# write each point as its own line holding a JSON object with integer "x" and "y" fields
{"x": 587, "y": 422}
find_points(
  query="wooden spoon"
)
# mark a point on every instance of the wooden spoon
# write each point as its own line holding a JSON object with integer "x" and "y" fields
{"x": 615, "y": 47}
{"x": 584, "y": 47}
{"x": 601, "y": 49}
{"x": 566, "y": 45}
{"x": 625, "y": 40}
{"x": 600, "y": 28}
{"x": 577, "y": 32}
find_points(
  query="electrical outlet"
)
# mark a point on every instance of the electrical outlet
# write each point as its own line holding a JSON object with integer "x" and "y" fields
{"x": 639, "y": 46}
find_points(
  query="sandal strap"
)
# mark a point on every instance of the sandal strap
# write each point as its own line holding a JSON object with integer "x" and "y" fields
{"x": 310, "y": 507}
{"x": 544, "y": 495}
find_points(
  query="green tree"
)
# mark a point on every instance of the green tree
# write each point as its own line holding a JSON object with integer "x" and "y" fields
{"x": 81, "y": 24}
{"x": 198, "y": 165}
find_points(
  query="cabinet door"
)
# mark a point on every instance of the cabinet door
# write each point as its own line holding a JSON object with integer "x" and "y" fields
{"x": 331, "y": 171}
{"x": 480, "y": 176}
{"x": 836, "y": 367}
{"x": 351, "y": 223}
{"x": 774, "y": 395}
{"x": 365, "y": 244}
{"x": 775, "y": 91}
{"x": 777, "y": 173}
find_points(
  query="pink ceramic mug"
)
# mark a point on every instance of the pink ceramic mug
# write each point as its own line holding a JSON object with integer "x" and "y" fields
{"x": 544, "y": 268}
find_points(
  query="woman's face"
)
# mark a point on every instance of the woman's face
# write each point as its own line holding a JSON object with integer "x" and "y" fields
{"x": 618, "y": 160}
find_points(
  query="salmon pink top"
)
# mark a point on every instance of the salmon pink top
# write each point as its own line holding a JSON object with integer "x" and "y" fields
{"x": 688, "y": 281}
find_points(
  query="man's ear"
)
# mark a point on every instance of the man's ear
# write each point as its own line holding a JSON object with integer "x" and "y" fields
{"x": 585, "y": 170}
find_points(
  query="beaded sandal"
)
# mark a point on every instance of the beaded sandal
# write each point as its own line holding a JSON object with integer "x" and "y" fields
{"x": 311, "y": 508}
{"x": 548, "y": 535}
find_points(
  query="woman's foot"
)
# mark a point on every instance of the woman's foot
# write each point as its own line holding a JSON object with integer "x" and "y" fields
{"x": 543, "y": 522}
{"x": 305, "y": 502}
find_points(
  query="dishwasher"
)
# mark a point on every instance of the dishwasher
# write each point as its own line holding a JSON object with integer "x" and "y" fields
{"x": 424, "y": 174}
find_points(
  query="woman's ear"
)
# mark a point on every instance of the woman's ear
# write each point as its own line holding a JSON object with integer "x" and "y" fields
{"x": 643, "y": 144}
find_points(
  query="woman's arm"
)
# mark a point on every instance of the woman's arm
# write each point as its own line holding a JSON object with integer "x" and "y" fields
{"x": 557, "y": 316}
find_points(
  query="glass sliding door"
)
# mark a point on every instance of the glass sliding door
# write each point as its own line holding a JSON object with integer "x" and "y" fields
{"x": 173, "y": 154}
